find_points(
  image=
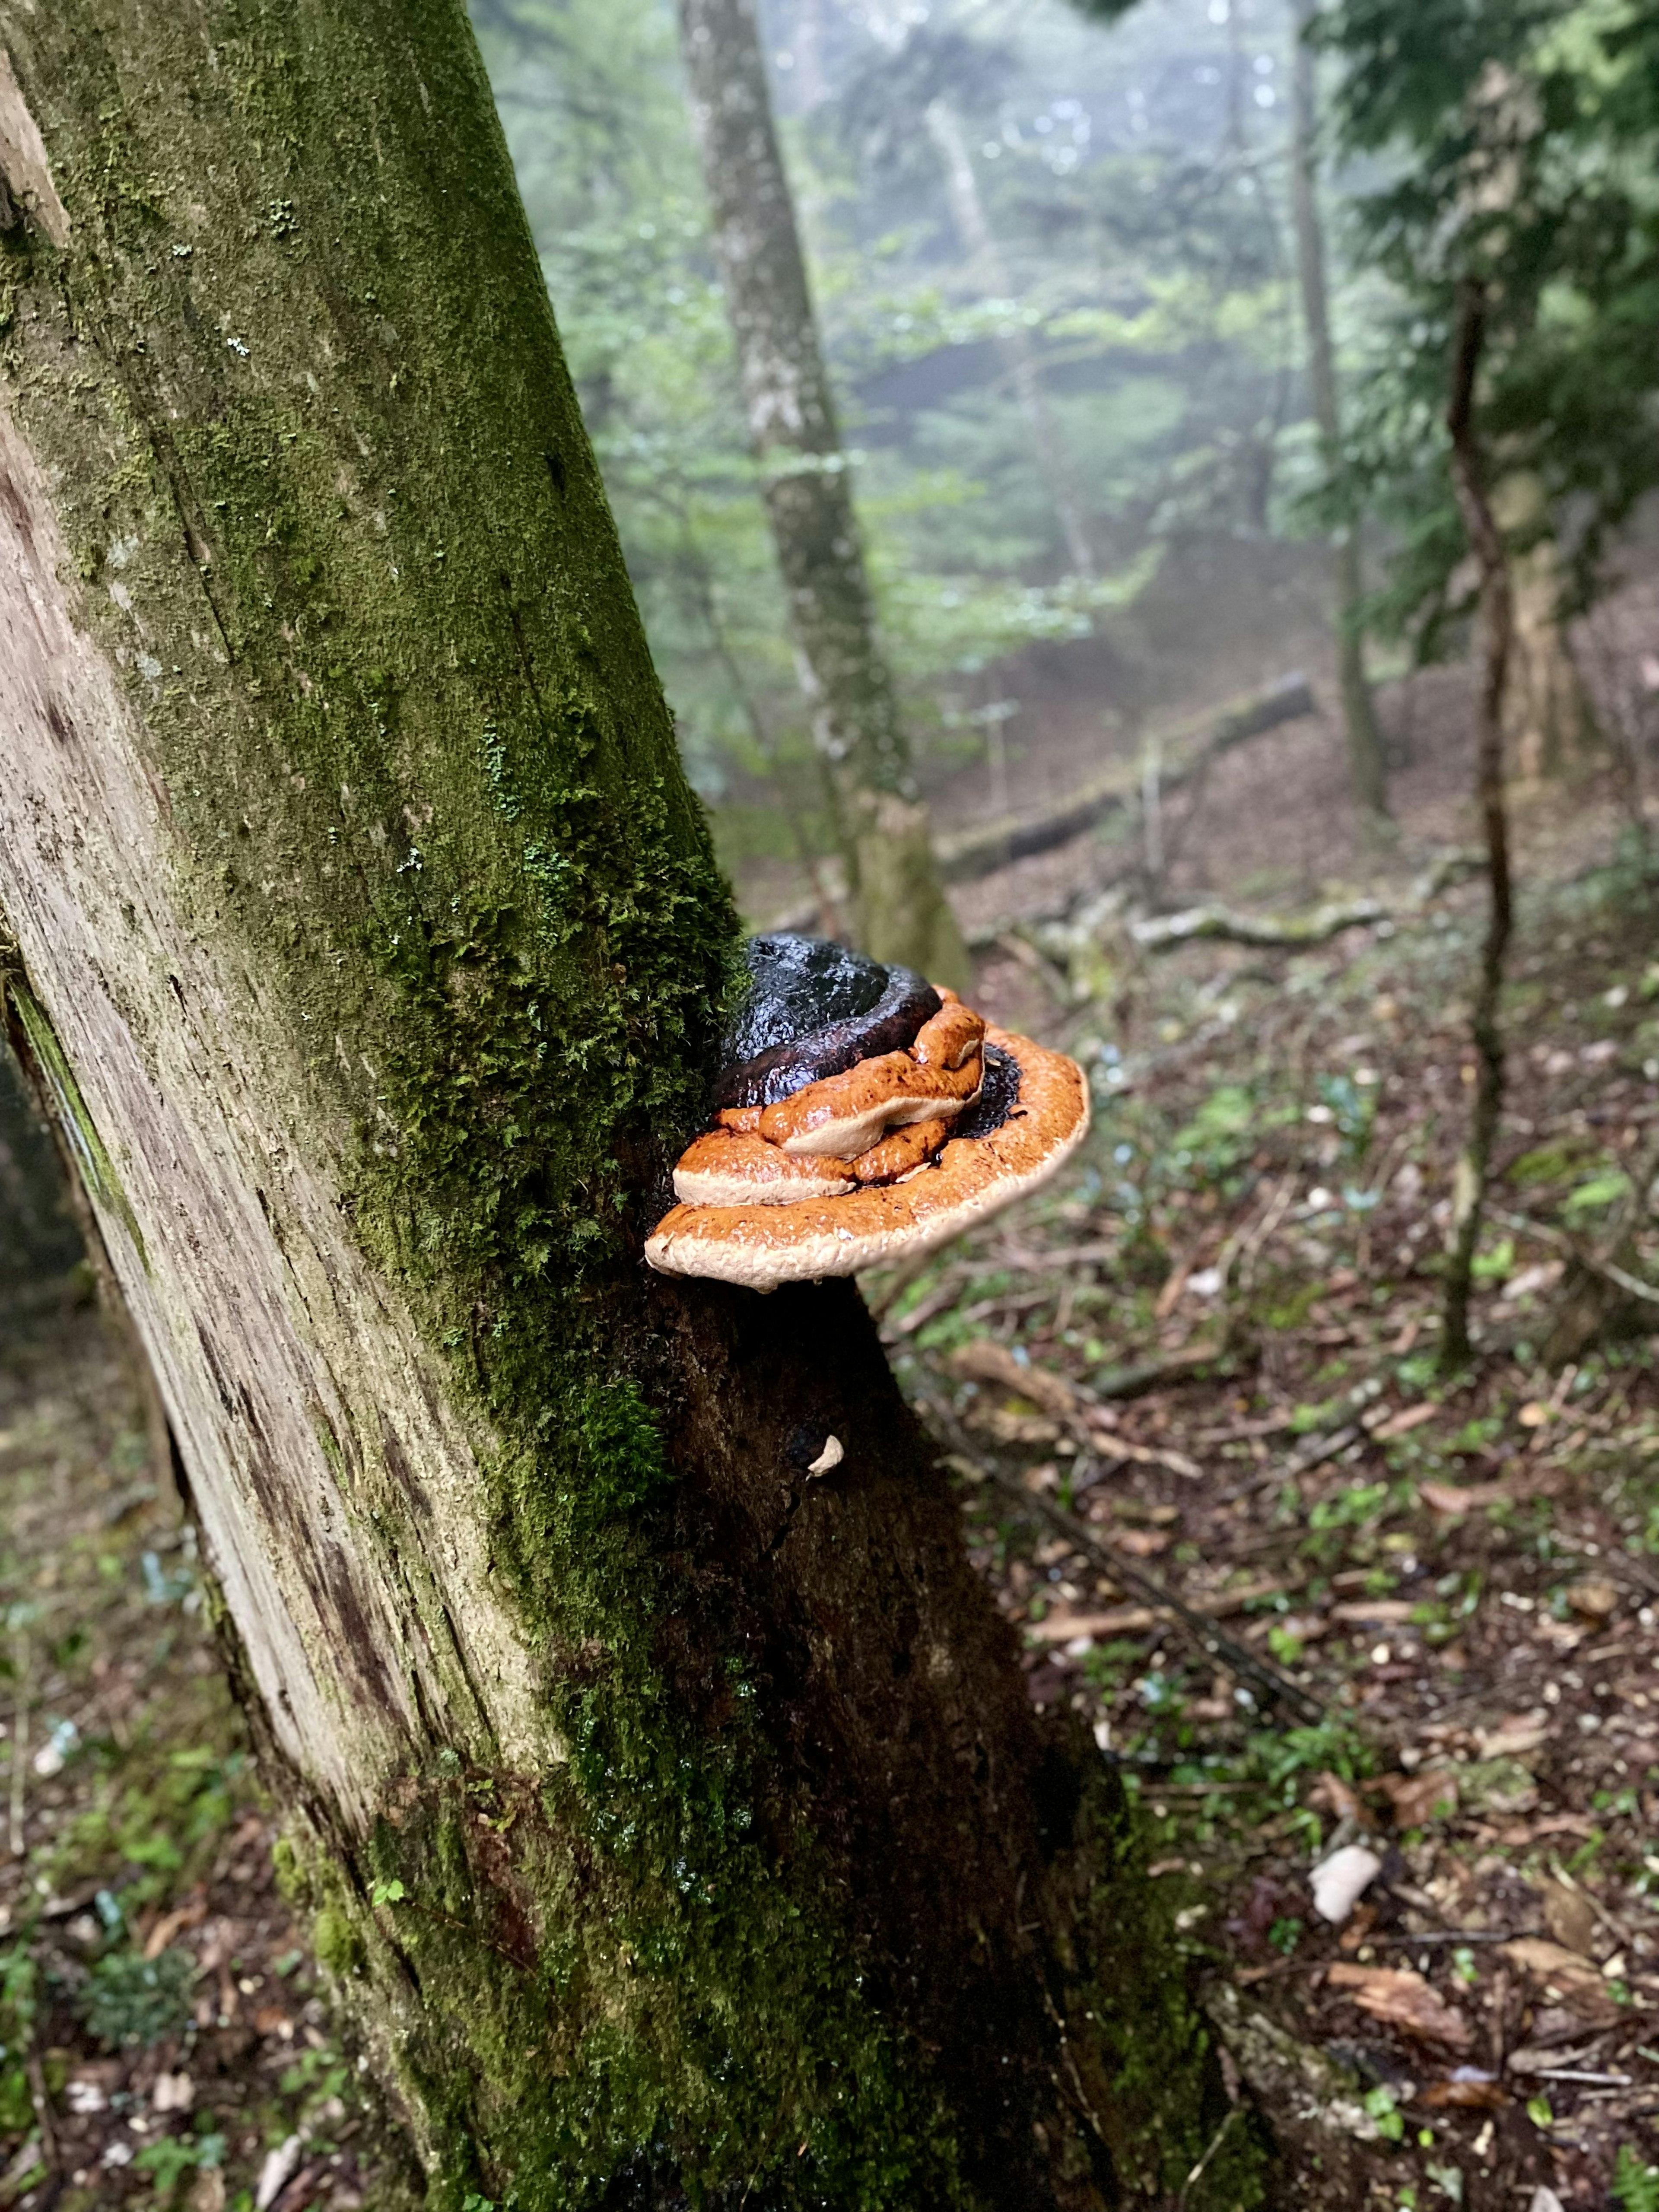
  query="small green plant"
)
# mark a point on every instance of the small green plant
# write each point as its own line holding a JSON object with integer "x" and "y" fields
{"x": 1635, "y": 2182}
{"x": 171, "y": 2157}
{"x": 387, "y": 1892}
{"x": 1381, "y": 2106}
{"x": 18, "y": 1989}
{"x": 131, "y": 2002}
{"x": 1497, "y": 1263}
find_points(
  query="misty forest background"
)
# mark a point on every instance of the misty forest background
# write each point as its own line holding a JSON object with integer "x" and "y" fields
{"x": 1069, "y": 431}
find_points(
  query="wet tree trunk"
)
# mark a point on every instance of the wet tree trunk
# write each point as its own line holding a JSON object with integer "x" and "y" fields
{"x": 1367, "y": 770}
{"x": 1025, "y": 370}
{"x": 1497, "y": 630}
{"x": 900, "y": 911}
{"x": 677, "y": 1825}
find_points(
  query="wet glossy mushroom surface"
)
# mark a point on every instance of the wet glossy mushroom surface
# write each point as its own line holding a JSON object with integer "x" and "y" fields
{"x": 815, "y": 1009}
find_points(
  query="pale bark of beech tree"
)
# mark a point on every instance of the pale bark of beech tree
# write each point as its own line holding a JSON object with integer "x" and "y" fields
{"x": 356, "y": 916}
{"x": 1367, "y": 768}
{"x": 1024, "y": 369}
{"x": 899, "y": 909}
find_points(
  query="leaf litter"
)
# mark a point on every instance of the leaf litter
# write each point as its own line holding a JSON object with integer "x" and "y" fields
{"x": 1233, "y": 1351}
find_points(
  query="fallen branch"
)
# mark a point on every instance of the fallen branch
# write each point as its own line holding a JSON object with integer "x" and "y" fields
{"x": 967, "y": 854}
{"x": 1162, "y": 933}
{"x": 1129, "y": 1574}
{"x": 1190, "y": 745}
{"x": 1547, "y": 1233}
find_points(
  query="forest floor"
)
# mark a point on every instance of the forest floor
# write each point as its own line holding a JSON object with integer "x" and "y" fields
{"x": 1215, "y": 1347}
{"x": 162, "y": 2036}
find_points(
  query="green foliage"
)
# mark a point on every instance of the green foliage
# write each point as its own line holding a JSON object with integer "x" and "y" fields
{"x": 129, "y": 2001}
{"x": 1518, "y": 139}
{"x": 1382, "y": 2107}
{"x": 170, "y": 2158}
{"x": 1148, "y": 277}
{"x": 1635, "y": 2182}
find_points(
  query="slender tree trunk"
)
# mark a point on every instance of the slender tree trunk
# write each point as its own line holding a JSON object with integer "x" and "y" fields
{"x": 1025, "y": 370}
{"x": 900, "y": 911}
{"x": 1497, "y": 622}
{"x": 1367, "y": 768}
{"x": 677, "y": 1827}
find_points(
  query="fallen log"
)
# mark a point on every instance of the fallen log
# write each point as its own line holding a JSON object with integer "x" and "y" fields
{"x": 966, "y": 854}
{"x": 1162, "y": 933}
{"x": 989, "y": 846}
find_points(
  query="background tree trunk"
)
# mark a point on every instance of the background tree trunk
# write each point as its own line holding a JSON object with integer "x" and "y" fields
{"x": 1025, "y": 371}
{"x": 900, "y": 911}
{"x": 1486, "y": 543}
{"x": 676, "y": 1825}
{"x": 1367, "y": 768}
{"x": 1548, "y": 720}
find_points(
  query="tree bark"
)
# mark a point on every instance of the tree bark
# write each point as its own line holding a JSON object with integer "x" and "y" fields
{"x": 1025, "y": 370}
{"x": 1367, "y": 768}
{"x": 1549, "y": 721}
{"x": 900, "y": 911}
{"x": 1497, "y": 627}
{"x": 677, "y": 1825}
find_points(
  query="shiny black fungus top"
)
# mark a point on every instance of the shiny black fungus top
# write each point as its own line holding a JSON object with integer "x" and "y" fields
{"x": 814, "y": 1009}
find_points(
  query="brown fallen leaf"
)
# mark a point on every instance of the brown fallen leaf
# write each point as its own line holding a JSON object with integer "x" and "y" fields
{"x": 1140, "y": 1543}
{"x": 1515, "y": 1735}
{"x": 1568, "y": 1916}
{"x": 1562, "y": 1973}
{"x": 1431, "y": 1794}
{"x": 1593, "y": 1598}
{"x": 1331, "y": 1794}
{"x": 1404, "y": 1999}
{"x": 1464, "y": 1498}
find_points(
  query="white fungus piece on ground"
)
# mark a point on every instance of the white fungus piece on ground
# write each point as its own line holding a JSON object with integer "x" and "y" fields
{"x": 1339, "y": 1882}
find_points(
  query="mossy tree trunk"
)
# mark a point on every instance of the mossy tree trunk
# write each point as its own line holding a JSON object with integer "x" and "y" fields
{"x": 899, "y": 909}
{"x": 1367, "y": 767}
{"x": 677, "y": 1825}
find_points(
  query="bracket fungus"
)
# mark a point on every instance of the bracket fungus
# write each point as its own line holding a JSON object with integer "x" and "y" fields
{"x": 861, "y": 1115}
